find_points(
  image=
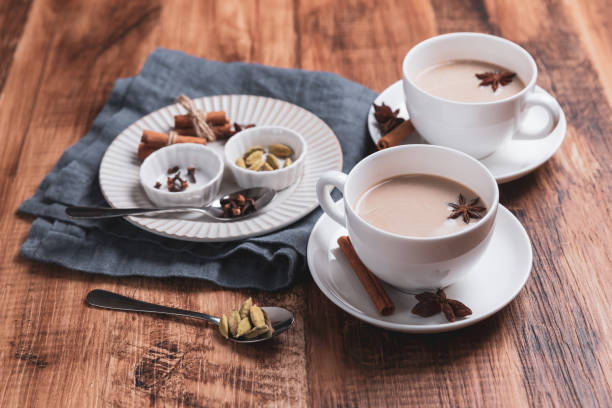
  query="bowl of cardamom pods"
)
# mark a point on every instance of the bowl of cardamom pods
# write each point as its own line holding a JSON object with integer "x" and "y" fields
{"x": 266, "y": 156}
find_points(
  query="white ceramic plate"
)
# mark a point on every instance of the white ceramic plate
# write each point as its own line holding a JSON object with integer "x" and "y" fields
{"x": 121, "y": 186}
{"x": 495, "y": 280}
{"x": 512, "y": 161}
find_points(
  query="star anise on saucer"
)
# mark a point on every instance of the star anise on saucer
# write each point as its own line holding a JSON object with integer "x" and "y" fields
{"x": 495, "y": 79}
{"x": 434, "y": 303}
{"x": 386, "y": 117}
{"x": 466, "y": 210}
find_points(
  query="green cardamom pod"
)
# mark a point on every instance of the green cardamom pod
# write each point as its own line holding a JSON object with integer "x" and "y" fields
{"x": 255, "y": 332}
{"x": 240, "y": 163}
{"x": 280, "y": 150}
{"x": 267, "y": 167}
{"x": 288, "y": 162}
{"x": 257, "y": 165}
{"x": 251, "y": 150}
{"x": 253, "y": 157}
{"x": 272, "y": 161}
{"x": 246, "y": 306}
{"x": 243, "y": 327}
{"x": 257, "y": 316}
{"x": 234, "y": 320}
{"x": 223, "y": 326}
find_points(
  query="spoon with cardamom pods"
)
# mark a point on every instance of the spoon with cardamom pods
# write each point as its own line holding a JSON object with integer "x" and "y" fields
{"x": 256, "y": 325}
{"x": 229, "y": 207}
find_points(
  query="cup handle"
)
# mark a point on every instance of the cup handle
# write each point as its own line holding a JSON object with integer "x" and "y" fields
{"x": 552, "y": 109}
{"x": 336, "y": 179}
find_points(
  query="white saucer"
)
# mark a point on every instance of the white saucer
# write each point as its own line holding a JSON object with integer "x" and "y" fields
{"x": 512, "y": 161}
{"x": 496, "y": 279}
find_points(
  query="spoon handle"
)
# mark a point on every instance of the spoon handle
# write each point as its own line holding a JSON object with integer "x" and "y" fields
{"x": 102, "y": 212}
{"x": 109, "y": 300}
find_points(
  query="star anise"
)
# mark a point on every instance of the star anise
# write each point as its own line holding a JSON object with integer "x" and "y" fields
{"x": 434, "y": 303}
{"x": 467, "y": 211}
{"x": 495, "y": 79}
{"x": 387, "y": 119}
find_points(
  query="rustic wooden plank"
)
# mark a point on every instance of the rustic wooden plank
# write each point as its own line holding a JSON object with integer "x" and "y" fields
{"x": 567, "y": 335}
{"x": 13, "y": 15}
{"x": 55, "y": 345}
{"x": 551, "y": 346}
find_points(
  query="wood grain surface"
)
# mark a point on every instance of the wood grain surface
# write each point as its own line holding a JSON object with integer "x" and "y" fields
{"x": 550, "y": 347}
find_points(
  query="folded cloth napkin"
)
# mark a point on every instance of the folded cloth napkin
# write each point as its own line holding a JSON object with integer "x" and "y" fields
{"x": 116, "y": 247}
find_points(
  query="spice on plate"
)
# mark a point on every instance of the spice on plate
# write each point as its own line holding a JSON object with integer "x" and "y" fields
{"x": 236, "y": 206}
{"x": 196, "y": 126}
{"x": 257, "y": 158}
{"x": 433, "y": 303}
{"x": 377, "y": 293}
{"x": 174, "y": 182}
{"x": 191, "y": 174}
{"x": 248, "y": 323}
{"x": 495, "y": 79}
{"x": 466, "y": 210}
{"x": 393, "y": 128}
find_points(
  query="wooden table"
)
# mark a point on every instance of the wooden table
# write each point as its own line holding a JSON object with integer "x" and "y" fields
{"x": 550, "y": 346}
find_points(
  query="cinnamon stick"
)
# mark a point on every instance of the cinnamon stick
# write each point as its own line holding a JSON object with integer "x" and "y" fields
{"x": 215, "y": 118}
{"x": 370, "y": 283}
{"x": 224, "y": 131}
{"x": 158, "y": 140}
{"x": 396, "y": 136}
{"x": 144, "y": 151}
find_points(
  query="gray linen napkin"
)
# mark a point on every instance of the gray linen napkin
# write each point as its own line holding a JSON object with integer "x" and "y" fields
{"x": 115, "y": 247}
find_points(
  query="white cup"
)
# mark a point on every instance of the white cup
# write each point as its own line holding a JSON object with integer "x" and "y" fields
{"x": 413, "y": 264}
{"x": 479, "y": 128}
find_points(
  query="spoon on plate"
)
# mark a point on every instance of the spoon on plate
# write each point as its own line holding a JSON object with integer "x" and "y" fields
{"x": 261, "y": 195}
{"x": 280, "y": 318}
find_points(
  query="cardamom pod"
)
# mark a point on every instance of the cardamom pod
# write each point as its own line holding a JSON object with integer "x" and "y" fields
{"x": 268, "y": 323}
{"x": 223, "y": 326}
{"x": 240, "y": 163}
{"x": 234, "y": 320}
{"x": 257, "y": 165}
{"x": 288, "y": 162}
{"x": 246, "y": 306}
{"x": 255, "y": 332}
{"x": 251, "y": 150}
{"x": 243, "y": 327}
{"x": 267, "y": 167}
{"x": 280, "y": 150}
{"x": 272, "y": 161}
{"x": 257, "y": 316}
{"x": 253, "y": 157}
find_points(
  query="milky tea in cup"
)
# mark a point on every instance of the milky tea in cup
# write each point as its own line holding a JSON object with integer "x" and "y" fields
{"x": 457, "y": 80}
{"x": 417, "y": 205}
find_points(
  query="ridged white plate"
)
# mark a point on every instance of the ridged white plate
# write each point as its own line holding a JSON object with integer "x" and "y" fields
{"x": 121, "y": 187}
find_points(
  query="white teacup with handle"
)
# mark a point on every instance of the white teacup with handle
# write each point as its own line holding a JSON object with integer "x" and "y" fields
{"x": 413, "y": 264}
{"x": 476, "y": 128}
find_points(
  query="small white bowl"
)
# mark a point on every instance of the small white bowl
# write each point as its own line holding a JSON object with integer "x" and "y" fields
{"x": 265, "y": 136}
{"x": 209, "y": 167}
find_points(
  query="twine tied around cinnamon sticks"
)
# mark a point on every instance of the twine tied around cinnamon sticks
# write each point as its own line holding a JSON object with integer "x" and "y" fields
{"x": 197, "y": 117}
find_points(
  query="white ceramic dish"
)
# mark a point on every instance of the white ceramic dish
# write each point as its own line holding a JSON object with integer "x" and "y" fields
{"x": 513, "y": 160}
{"x": 120, "y": 182}
{"x": 494, "y": 281}
{"x": 209, "y": 172}
{"x": 265, "y": 136}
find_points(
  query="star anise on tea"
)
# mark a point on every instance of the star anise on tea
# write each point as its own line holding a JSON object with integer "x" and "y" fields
{"x": 495, "y": 79}
{"x": 466, "y": 210}
{"x": 386, "y": 117}
{"x": 433, "y": 303}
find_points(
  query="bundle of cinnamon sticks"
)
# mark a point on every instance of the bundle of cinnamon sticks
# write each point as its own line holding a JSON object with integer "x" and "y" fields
{"x": 184, "y": 132}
